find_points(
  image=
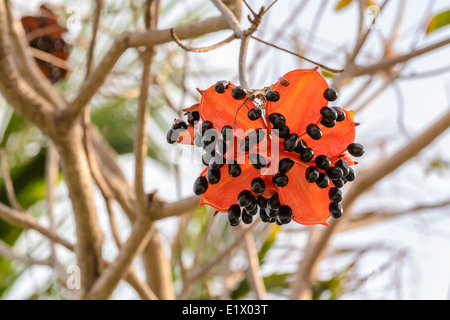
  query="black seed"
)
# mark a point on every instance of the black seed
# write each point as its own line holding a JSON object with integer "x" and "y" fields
{"x": 216, "y": 162}
{"x": 271, "y": 213}
{"x": 283, "y": 132}
{"x": 221, "y": 86}
{"x": 278, "y": 222}
{"x": 256, "y": 136}
{"x": 339, "y": 183}
{"x": 322, "y": 162}
{"x": 257, "y": 160}
{"x": 227, "y": 133}
{"x": 306, "y": 155}
{"x": 277, "y": 120}
{"x": 234, "y": 215}
{"x": 335, "y": 195}
{"x": 200, "y": 185}
{"x": 272, "y": 95}
{"x": 247, "y": 218}
{"x": 328, "y": 123}
{"x": 213, "y": 176}
{"x": 234, "y": 170}
{"x": 209, "y": 137}
{"x": 329, "y": 113}
{"x": 206, "y": 125}
{"x": 314, "y": 131}
{"x": 263, "y": 214}
{"x": 356, "y": 149}
{"x": 207, "y": 156}
{"x": 222, "y": 147}
{"x": 284, "y": 215}
{"x": 198, "y": 140}
{"x": 312, "y": 174}
{"x": 285, "y": 165}
{"x": 252, "y": 206}
{"x": 274, "y": 201}
{"x": 280, "y": 180}
{"x": 290, "y": 142}
{"x": 323, "y": 181}
{"x": 335, "y": 210}
{"x": 334, "y": 173}
{"x": 172, "y": 136}
{"x": 245, "y": 198}
{"x": 351, "y": 174}
{"x": 301, "y": 145}
{"x": 261, "y": 202}
{"x": 245, "y": 144}
{"x": 343, "y": 165}
{"x": 193, "y": 117}
{"x": 238, "y": 93}
{"x": 340, "y": 114}
{"x": 254, "y": 114}
{"x": 330, "y": 94}
{"x": 258, "y": 185}
{"x": 179, "y": 124}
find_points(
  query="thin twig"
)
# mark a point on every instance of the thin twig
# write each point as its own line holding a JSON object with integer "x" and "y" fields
{"x": 201, "y": 49}
{"x": 10, "y": 193}
{"x": 297, "y": 55}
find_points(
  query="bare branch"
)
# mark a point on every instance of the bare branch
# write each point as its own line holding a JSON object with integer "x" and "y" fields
{"x": 8, "y": 182}
{"x": 202, "y": 49}
{"x": 7, "y": 252}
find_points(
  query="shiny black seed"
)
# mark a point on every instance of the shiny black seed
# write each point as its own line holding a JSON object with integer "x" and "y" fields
{"x": 172, "y": 136}
{"x": 335, "y": 195}
{"x": 340, "y": 114}
{"x": 257, "y": 135}
{"x": 290, "y": 142}
{"x": 330, "y": 94}
{"x": 356, "y": 149}
{"x": 301, "y": 145}
{"x": 252, "y": 206}
{"x": 277, "y": 120}
{"x": 258, "y": 185}
{"x": 285, "y": 165}
{"x": 323, "y": 181}
{"x": 216, "y": 162}
{"x": 278, "y": 222}
{"x": 351, "y": 174}
{"x": 334, "y": 173}
{"x": 339, "y": 183}
{"x": 179, "y": 125}
{"x": 207, "y": 156}
{"x": 258, "y": 161}
{"x": 314, "y": 131}
{"x": 222, "y": 147}
{"x": 271, "y": 213}
{"x": 263, "y": 214}
{"x": 272, "y": 95}
{"x": 245, "y": 198}
{"x": 234, "y": 170}
{"x": 227, "y": 133}
{"x": 200, "y": 185}
{"x": 306, "y": 155}
{"x": 283, "y": 132}
{"x": 261, "y": 202}
{"x": 193, "y": 117}
{"x": 206, "y": 125}
{"x": 328, "y": 113}
{"x": 312, "y": 174}
{"x": 247, "y": 218}
{"x": 221, "y": 86}
{"x": 254, "y": 114}
{"x": 213, "y": 176}
{"x": 280, "y": 180}
{"x": 343, "y": 165}
{"x": 274, "y": 201}
{"x": 238, "y": 93}
{"x": 234, "y": 215}
{"x": 328, "y": 123}
{"x": 209, "y": 137}
{"x": 322, "y": 162}
{"x": 284, "y": 215}
{"x": 246, "y": 144}
{"x": 252, "y": 211}
{"x": 335, "y": 210}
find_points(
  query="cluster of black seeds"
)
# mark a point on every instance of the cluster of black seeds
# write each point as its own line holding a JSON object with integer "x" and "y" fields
{"x": 215, "y": 144}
